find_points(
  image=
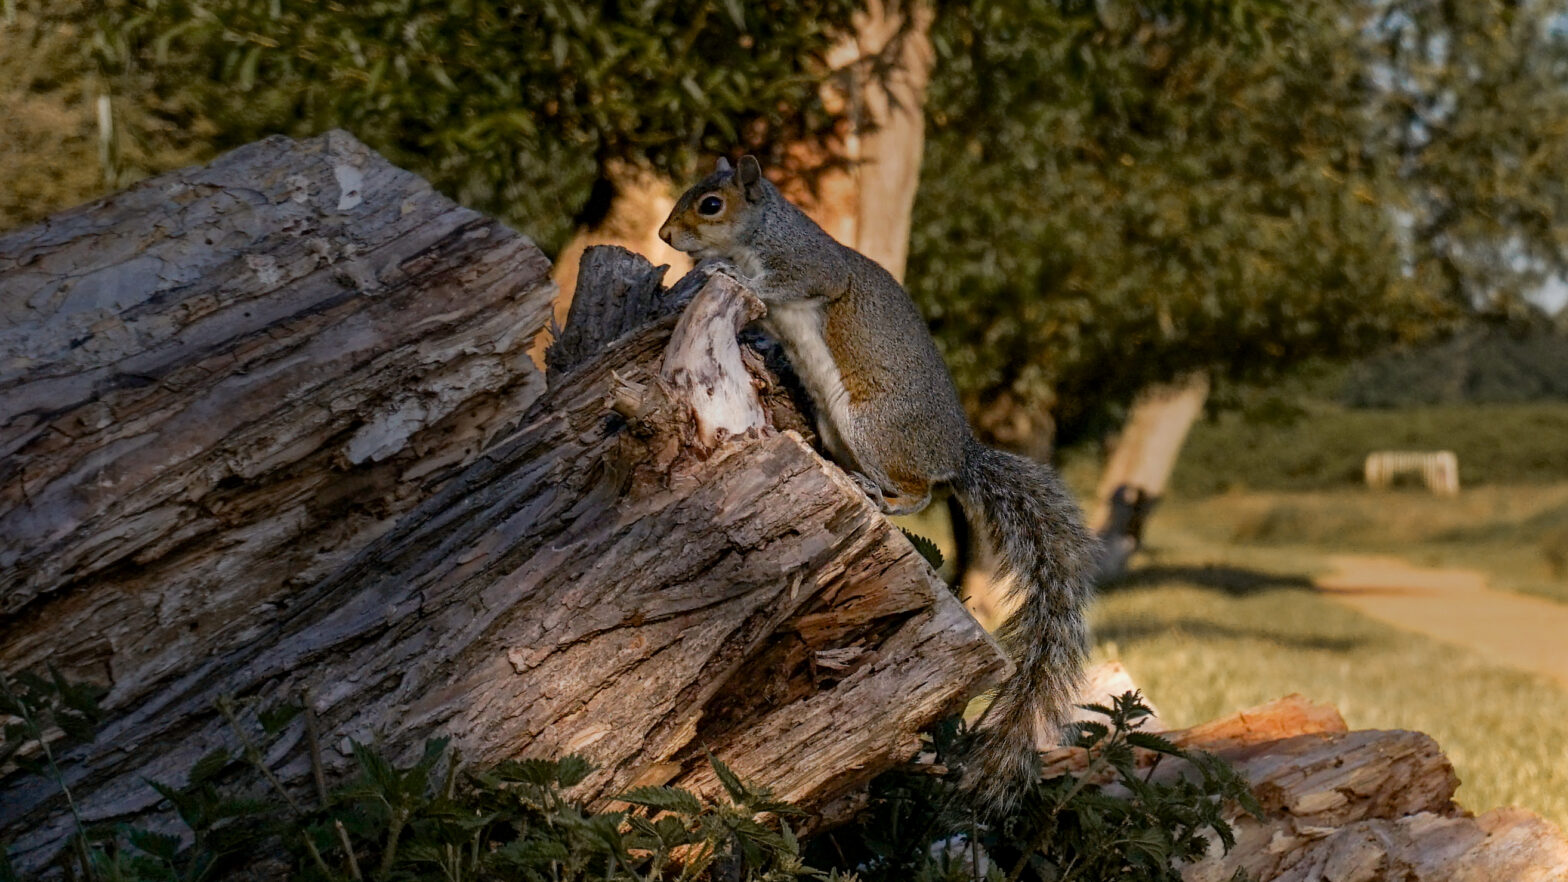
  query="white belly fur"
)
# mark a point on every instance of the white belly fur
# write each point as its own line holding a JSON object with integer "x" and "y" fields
{"x": 798, "y": 325}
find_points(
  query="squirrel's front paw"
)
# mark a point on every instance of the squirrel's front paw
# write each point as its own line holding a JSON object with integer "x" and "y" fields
{"x": 710, "y": 265}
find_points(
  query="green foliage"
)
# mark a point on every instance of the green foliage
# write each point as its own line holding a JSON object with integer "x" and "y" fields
{"x": 1113, "y": 193}
{"x": 1072, "y": 826}
{"x": 515, "y": 109}
{"x": 33, "y": 706}
{"x": 1469, "y": 100}
{"x": 926, "y": 547}
{"x": 428, "y": 820}
{"x": 1108, "y": 201}
{"x": 433, "y": 820}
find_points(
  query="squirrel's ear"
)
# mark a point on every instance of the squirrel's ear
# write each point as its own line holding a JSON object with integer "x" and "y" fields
{"x": 723, "y": 165}
{"x": 749, "y": 174}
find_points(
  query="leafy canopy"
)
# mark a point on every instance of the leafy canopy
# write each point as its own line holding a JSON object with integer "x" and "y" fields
{"x": 513, "y": 108}
{"x": 1114, "y": 195}
{"x": 1114, "y": 192}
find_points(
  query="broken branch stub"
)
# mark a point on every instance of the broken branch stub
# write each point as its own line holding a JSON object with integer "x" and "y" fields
{"x": 703, "y": 366}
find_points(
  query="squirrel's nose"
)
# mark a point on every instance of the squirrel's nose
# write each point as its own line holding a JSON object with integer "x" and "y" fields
{"x": 664, "y": 233}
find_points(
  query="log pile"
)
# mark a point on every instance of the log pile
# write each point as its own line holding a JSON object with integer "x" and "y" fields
{"x": 271, "y": 432}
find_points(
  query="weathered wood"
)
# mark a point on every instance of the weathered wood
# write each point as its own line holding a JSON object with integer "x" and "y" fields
{"x": 1275, "y": 720}
{"x": 219, "y": 384}
{"x": 1349, "y": 806}
{"x": 1360, "y": 806}
{"x": 585, "y": 585}
{"x": 1364, "y": 806}
{"x": 616, "y": 294}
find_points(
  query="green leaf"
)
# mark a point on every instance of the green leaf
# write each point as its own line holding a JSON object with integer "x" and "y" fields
{"x": 538, "y": 772}
{"x": 210, "y": 766}
{"x": 376, "y": 770}
{"x": 926, "y": 547}
{"x": 1156, "y": 743}
{"x": 732, "y": 783}
{"x": 669, "y": 799}
{"x": 274, "y": 719}
{"x": 160, "y": 845}
{"x": 572, "y": 769}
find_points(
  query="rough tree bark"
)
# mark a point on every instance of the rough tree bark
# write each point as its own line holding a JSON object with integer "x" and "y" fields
{"x": 640, "y": 567}
{"x": 219, "y": 384}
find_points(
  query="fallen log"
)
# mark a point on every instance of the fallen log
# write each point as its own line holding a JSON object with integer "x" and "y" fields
{"x": 219, "y": 384}
{"x": 638, "y": 566}
{"x": 1364, "y": 806}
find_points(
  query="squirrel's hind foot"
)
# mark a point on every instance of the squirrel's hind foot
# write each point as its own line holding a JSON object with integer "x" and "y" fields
{"x": 890, "y": 503}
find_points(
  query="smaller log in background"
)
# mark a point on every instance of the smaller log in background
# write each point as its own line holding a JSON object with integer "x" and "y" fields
{"x": 326, "y": 497}
{"x": 1348, "y": 806}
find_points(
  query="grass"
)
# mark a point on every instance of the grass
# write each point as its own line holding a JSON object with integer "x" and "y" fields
{"x": 1317, "y": 445}
{"x": 1205, "y": 644}
{"x": 1220, "y": 615}
{"x": 1517, "y": 535}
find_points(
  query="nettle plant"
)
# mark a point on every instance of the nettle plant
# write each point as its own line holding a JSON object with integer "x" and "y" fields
{"x": 436, "y": 819}
{"x": 1112, "y": 820}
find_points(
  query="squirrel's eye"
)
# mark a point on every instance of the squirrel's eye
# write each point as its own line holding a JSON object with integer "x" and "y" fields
{"x": 710, "y": 206}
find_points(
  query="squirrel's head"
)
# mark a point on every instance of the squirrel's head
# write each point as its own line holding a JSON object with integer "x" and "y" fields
{"x": 711, "y": 218}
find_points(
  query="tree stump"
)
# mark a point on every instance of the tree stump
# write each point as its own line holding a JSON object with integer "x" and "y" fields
{"x": 273, "y": 433}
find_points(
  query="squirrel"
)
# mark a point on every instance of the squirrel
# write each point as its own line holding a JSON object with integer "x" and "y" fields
{"x": 888, "y": 412}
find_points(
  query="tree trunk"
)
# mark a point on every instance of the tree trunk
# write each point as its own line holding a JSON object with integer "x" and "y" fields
{"x": 269, "y": 473}
{"x": 1140, "y": 466}
{"x": 865, "y": 197}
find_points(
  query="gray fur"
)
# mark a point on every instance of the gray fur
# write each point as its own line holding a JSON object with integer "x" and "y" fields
{"x": 887, "y": 410}
{"x": 1048, "y": 555}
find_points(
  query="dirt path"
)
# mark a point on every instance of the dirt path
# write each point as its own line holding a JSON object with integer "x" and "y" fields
{"x": 1455, "y": 606}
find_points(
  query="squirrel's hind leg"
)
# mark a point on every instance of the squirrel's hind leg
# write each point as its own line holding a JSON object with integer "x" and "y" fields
{"x": 893, "y": 500}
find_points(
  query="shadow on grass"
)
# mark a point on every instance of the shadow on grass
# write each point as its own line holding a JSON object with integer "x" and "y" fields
{"x": 1134, "y": 631}
{"x": 1234, "y": 581}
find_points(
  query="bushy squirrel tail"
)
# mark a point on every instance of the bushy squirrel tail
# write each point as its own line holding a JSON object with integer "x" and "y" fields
{"x": 1048, "y": 556}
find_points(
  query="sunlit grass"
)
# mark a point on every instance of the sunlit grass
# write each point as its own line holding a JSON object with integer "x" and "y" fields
{"x": 1219, "y": 615}
{"x": 1203, "y": 652}
{"x": 1517, "y": 535}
